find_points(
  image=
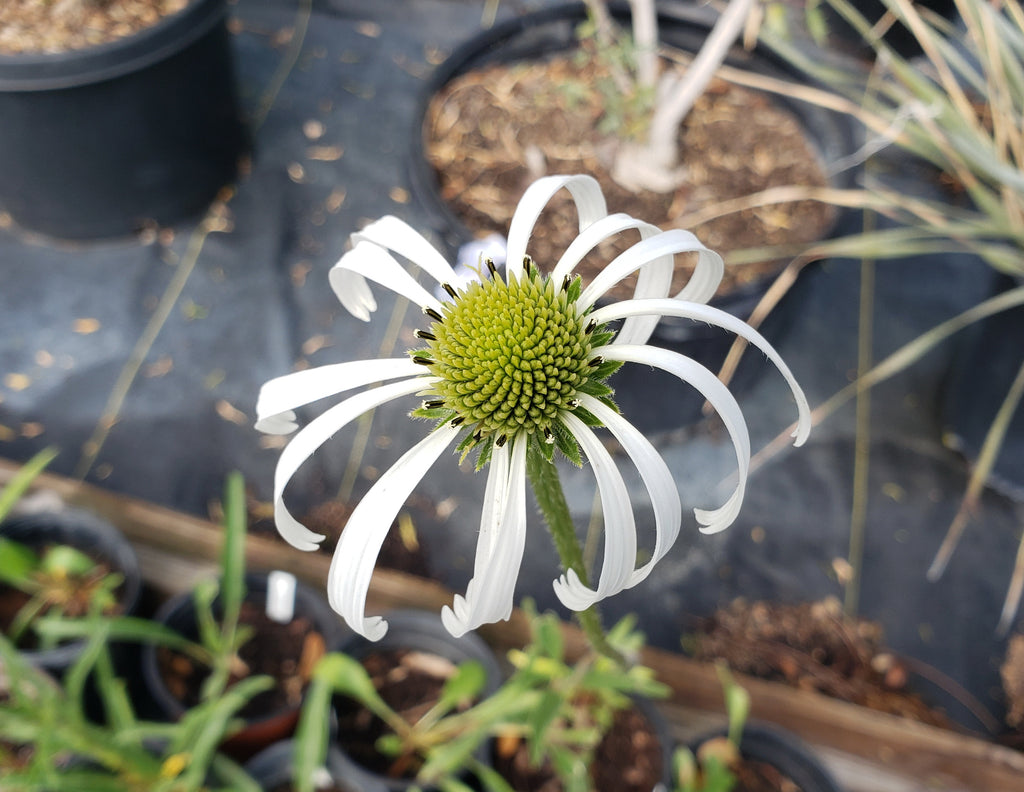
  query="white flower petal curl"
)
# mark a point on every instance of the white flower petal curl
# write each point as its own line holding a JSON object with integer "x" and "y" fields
{"x": 653, "y": 280}
{"x": 369, "y": 261}
{"x": 716, "y": 316}
{"x": 668, "y": 511}
{"x": 499, "y": 550}
{"x": 650, "y": 252}
{"x": 398, "y": 236}
{"x": 319, "y": 430}
{"x": 359, "y": 545}
{"x": 281, "y": 395}
{"x": 590, "y": 207}
{"x": 712, "y": 389}
{"x": 619, "y": 526}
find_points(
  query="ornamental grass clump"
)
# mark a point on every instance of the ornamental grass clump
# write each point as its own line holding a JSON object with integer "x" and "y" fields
{"x": 515, "y": 368}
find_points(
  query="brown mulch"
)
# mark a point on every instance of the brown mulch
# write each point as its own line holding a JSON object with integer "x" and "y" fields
{"x": 490, "y": 133}
{"x": 61, "y": 25}
{"x": 813, "y": 646}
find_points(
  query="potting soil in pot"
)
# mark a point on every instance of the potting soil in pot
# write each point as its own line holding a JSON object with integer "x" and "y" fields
{"x": 286, "y": 652}
{"x": 33, "y": 26}
{"x": 490, "y": 132}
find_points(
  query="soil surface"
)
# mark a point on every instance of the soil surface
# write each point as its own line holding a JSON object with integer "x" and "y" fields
{"x": 410, "y": 683}
{"x": 401, "y": 550}
{"x": 286, "y": 652}
{"x": 813, "y": 647}
{"x": 490, "y": 133}
{"x": 60, "y": 25}
{"x": 628, "y": 759}
{"x": 1012, "y": 673}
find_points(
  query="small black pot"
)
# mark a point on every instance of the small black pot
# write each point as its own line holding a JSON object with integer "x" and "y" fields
{"x": 423, "y": 632}
{"x": 785, "y": 752}
{"x": 100, "y": 142}
{"x": 271, "y": 768}
{"x": 96, "y": 538}
{"x": 178, "y": 613}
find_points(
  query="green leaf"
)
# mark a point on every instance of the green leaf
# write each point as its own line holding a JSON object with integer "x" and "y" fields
{"x": 22, "y": 480}
{"x": 463, "y": 686}
{"x": 232, "y": 586}
{"x": 312, "y": 732}
{"x": 17, "y": 563}
{"x": 540, "y": 720}
{"x": 67, "y": 561}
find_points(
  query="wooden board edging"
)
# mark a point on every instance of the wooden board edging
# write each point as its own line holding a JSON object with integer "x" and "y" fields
{"x": 937, "y": 757}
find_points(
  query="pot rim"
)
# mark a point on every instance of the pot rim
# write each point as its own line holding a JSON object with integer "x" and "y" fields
{"x": 88, "y": 532}
{"x": 47, "y": 71}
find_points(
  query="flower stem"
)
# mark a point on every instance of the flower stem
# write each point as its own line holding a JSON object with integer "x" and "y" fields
{"x": 547, "y": 488}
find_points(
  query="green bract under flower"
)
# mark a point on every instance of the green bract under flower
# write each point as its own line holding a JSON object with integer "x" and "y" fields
{"x": 509, "y": 357}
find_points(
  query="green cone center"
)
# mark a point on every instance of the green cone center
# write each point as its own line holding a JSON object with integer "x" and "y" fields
{"x": 510, "y": 356}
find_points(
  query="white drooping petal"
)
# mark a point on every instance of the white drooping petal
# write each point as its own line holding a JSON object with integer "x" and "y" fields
{"x": 619, "y": 526}
{"x": 368, "y": 261}
{"x": 315, "y": 435}
{"x": 359, "y": 545}
{"x": 653, "y": 252}
{"x": 668, "y": 512}
{"x": 281, "y": 395}
{"x": 712, "y": 389}
{"x": 653, "y": 280}
{"x": 715, "y": 316}
{"x": 499, "y": 549}
{"x": 590, "y": 207}
{"x": 398, "y": 236}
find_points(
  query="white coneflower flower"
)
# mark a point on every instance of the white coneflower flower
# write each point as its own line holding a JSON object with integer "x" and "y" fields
{"x": 513, "y": 367}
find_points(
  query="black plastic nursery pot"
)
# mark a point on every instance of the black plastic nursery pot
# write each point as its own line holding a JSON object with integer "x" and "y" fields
{"x": 97, "y": 539}
{"x": 103, "y": 141}
{"x": 785, "y": 752}
{"x": 273, "y": 769}
{"x": 267, "y": 719}
{"x": 832, "y": 136}
{"x": 408, "y": 631}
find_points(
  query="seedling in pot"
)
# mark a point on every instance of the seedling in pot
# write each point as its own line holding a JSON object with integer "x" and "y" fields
{"x": 61, "y": 580}
{"x": 712, "y": 768}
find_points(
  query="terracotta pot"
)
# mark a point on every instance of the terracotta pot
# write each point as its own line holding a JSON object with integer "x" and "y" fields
{"x": 259, "y": 731}
{"x": 96, "y": 538}
{"x": 100, "y": 142}
{"x": 418, "y": 631}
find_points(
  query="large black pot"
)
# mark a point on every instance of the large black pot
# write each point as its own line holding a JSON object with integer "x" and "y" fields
{"x": 834, "y": 136}
{"x": 102, "y": 141}
{"x": 418, "y": 631}
{"x": 96, "y": 538}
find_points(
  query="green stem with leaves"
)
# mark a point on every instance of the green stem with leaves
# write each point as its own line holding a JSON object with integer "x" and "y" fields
{"x": 547, "y": 488}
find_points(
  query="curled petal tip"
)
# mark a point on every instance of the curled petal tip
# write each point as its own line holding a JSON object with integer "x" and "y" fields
{"x": 801, "y": 433}
{"x": 374, "y": 628}
{"x": 452, "y": 623}
{"x": 711, "y": 522}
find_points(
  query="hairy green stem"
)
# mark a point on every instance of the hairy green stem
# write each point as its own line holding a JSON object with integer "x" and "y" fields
{"x": 547, "y": 488}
